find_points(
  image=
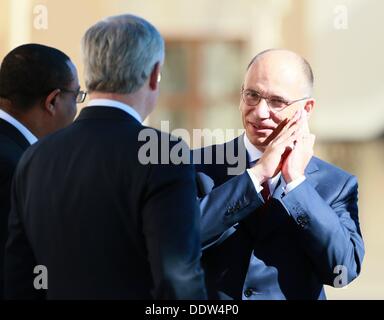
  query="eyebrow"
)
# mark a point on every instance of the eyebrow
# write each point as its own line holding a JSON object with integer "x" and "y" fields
{"x": 254, "y": 90}
{"x": 275, "y": 96}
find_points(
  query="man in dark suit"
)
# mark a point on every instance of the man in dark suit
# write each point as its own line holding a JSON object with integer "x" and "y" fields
{"x": 38, "y": 92}
{"x": 277, "y": 223}
{"x": 88, "y": 208}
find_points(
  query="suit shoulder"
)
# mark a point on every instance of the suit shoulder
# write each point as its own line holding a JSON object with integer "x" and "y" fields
{"x": 163, "y": 139}
{"x": 332, "y": 170}
{"x": 162, "y": 134}
{"x": 10, "y": 151}
{"x": 28, "y": 154}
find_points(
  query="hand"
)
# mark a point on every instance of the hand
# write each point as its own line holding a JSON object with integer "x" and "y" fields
{"x": 296, "y": 160}
{"x": 271, "y": 161}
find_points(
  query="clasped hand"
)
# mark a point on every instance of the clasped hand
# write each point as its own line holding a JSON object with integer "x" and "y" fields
{"x": 290, "y": 149}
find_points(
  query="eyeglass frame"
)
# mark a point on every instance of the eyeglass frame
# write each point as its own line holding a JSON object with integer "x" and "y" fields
{"x": 79, "y": 93}
{"x": 287, "y": 103}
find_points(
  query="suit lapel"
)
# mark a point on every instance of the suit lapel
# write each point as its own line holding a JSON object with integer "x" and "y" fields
{"x": 242, "y": 149}
{"x": 309, "y": 171}
{"x": 278, "y": 192}
{"x": 229, "y": 160}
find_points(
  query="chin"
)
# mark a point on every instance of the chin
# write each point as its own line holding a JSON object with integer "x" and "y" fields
{"x": 257, "y": 141}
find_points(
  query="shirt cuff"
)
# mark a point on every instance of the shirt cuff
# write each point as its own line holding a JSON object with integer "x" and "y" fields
{"x": 255, "y": 182}
{"x": 293, "y": 184}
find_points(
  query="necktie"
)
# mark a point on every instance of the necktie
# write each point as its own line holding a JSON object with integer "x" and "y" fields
{"x": 265, "y": 193}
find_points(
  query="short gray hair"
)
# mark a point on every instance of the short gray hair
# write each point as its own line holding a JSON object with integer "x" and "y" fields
{"x": 119, "y": 54}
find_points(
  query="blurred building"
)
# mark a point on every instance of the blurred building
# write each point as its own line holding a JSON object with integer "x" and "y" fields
{"x": 208, "y": 46}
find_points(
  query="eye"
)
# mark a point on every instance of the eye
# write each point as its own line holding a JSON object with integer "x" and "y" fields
{"x": 251, "y": 94}
{"x": 278, "y": 103}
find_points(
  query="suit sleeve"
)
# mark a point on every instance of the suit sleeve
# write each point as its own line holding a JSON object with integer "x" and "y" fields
{"x": 171, "y": 221}
{"x": 223, "y": 207}
{"x": 19, "y": 258}
{"x": 331, "y": 233}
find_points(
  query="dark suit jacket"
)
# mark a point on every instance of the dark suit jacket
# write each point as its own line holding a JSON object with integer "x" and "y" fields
{"x": 285, "y": 249}
{"x": 104, "y": 225}
{"x": 12, "y": 146}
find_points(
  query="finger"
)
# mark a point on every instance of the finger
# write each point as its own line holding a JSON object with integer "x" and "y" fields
{"x": 301, "y": 123}
{"x": 286, "y": 133}
{"x": 287, "y": 143}
{"x": 277, "y": 131}
{"x": 287, "y": 123}
{"x": 305, "y": 125}
{"x": 305, "y": 142}
{"x": 295, "y": 118}
{"x": 287, "y": 151}
{"x": 294, "y": 121}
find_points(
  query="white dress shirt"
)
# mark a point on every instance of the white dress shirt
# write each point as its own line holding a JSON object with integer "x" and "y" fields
{"x": 255, "y": 154}
{"x": 19, "y": 126}
{"x": 115, "y": 104}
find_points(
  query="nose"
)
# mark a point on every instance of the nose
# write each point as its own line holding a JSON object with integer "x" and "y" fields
{"x": 261, "y": 110}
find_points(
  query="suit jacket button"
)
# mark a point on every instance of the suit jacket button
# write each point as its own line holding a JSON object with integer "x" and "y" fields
{"x": 248, "y": 292}
{"x": 302, "y": 220}
{"x": 229, "y": 211}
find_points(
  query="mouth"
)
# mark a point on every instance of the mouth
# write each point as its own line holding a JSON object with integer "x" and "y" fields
{"x": 261, "y": 128}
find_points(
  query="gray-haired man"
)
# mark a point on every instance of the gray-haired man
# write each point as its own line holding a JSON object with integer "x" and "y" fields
{"x": 104, "y": 225}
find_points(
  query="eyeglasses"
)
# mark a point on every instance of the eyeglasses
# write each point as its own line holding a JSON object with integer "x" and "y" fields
{"x": 80, "y": 94}
{"x": 275, "y": 104}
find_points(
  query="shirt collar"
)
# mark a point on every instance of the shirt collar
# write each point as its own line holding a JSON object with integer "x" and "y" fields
{"x": 115, "y": 104}
{"x": 253, "y": 153}
{"x": 19, "y": 126}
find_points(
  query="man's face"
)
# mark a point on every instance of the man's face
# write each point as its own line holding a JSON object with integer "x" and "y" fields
{"x": 66, "y": 106}
{"x": 277, "y": 76}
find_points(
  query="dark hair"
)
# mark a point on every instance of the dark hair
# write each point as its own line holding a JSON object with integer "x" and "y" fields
{"x": 29, "y": 72}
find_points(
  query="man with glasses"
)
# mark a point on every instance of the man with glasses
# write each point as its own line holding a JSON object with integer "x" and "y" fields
{"x": 80, "y": 95}
{"x": 39, "y": 89}
{"x": 288, "y": 223}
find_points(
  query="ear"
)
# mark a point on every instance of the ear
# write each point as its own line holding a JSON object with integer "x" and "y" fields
{"x": 309, "y": 105}
{"x": 50, "y": 101}
{"x": 154, "y": 77}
